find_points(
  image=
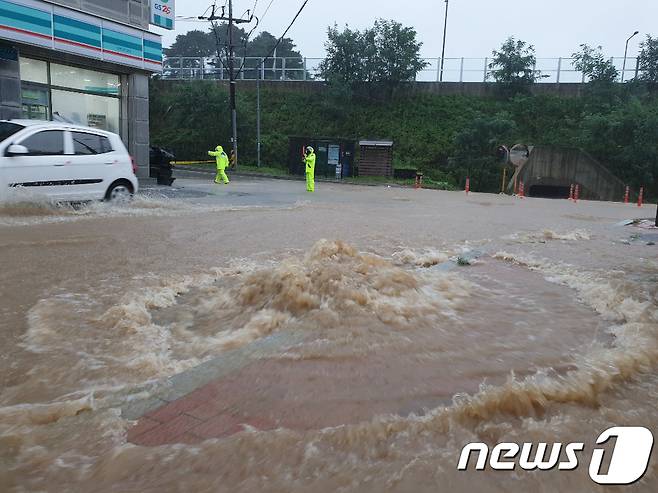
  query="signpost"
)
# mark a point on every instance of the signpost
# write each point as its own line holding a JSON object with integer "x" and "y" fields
{"x": 163, "y": 13}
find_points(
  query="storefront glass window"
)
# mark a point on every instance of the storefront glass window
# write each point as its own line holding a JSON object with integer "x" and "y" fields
{"x": 34, "y": 70}
{"x": 73, "y": 94}
{"x": 84, "y": 80}
{"x": 35, "y": 102}
{"x": 86, "y": 109}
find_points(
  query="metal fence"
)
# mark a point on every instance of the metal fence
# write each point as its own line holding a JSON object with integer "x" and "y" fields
{"x": 553, "y": 70}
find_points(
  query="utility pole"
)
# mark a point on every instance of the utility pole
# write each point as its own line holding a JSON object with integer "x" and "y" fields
{"x": 443, "y": 51}
{"x": 231, "y": 68}
{"x": 261, "y": 66}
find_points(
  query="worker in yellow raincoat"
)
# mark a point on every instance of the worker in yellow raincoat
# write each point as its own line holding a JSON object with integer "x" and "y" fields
{"x": 222, "y": 164}
{"x": 309, "y": 161}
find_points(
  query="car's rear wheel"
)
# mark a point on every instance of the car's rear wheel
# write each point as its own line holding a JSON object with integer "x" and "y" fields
{"x": 119, "y": 193}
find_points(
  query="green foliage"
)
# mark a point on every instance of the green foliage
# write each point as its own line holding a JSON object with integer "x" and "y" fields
{"x": 205, "y": 43}
{"x": 648, "y": 60}
{"x": 388, "y": 53}
{"x": 261, "y": 46}
{"x": 345, "y": 62}
{"x": 193, "y": 44}
{"x": 397, "y": 52}
{"x": 186, "y": 118}
{"x": 546, "y": 119}
{"x": 446, "y": 137}
{"x": 626, "y": 139}
{"x": 475, "y": 150}
{"x": 593, "y": 63}
{"x": 513, "y": 67}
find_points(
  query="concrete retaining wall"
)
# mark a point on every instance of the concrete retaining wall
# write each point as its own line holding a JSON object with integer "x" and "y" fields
{"x": 555, "y": 167}
{"x": 445, "y": 88}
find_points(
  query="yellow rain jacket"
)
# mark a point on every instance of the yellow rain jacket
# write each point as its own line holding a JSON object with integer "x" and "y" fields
{"x": 309, "y": 161}
{"x": 222, "y": 164}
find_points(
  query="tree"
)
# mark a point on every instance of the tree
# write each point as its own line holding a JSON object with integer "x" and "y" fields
{"x": 648, "y": 60}
{"x": 475, "y": 154}
{"x": 262, "y": 45}
{"x": 193, "y": 44}
{"x": 625, "y": 139}
{"x": 387, "y": 53}
{"x": 593, "y": 63}
{"x": 346, "y": 54}
{"x": 396, "y": 52}
{"x": 202, "y": 44}
{"x": 513, "y": 67}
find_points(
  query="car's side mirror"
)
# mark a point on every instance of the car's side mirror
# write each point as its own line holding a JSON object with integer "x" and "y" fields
{"x": 16, "y": 150}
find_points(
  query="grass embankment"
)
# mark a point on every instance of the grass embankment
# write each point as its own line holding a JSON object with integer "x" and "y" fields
{"x": 242, "y": 169}
{"x": 448, "y": 137}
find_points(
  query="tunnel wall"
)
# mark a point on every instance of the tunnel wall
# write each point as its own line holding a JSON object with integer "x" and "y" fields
{"x": 560, "y": 167}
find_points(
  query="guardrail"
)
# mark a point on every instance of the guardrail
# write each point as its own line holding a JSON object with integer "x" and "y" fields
{"x": 553, "y": 70}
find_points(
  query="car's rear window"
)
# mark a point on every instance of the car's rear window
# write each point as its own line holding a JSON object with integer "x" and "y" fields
{"x": 87, "y": 143}
{"x": 7, "y": 129}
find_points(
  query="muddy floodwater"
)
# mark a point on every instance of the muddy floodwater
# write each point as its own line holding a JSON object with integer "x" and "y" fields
{"x": 408, "y": 323}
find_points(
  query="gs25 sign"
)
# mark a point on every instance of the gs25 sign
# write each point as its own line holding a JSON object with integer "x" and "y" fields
{"x": 163, "y": 13}
{"x": 165, "y": 9}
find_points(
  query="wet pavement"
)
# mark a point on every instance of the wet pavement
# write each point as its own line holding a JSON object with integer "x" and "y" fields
{"x": 242, "y": 191}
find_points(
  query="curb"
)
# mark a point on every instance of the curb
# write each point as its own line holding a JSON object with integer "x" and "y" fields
{"x": 181, "y": 384}
{"x": 296, "y": 178}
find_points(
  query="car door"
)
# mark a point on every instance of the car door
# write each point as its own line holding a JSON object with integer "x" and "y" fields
{"x": 41, "y": 170}
{"x": 91, "y": 162}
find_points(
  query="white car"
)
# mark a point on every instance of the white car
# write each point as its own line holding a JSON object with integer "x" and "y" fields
{"x": 65, "y": 162}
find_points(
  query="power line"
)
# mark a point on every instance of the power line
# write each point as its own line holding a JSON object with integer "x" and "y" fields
{"x": 246, "y": 38}
{"x": 286, "y": 31}
{"x": 219, "y": 45}
{"x": 250, "y": 12}
{"x": 192, "y": 20}
{"x": 262, "y": 64}
{"x": 266, "y": 10}
{"x": 206, "y": 11}
{"x": 196, "y": 17}
{"x": 231, "y": 61}
{"x": 279, "y": 40}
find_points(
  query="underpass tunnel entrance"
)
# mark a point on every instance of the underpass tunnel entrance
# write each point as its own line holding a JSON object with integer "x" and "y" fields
{"x": 549, "y": 191}
{"x": 549, "y": 172}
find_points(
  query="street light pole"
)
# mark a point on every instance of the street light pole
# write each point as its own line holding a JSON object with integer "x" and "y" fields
{"x": 623, "y": 70}
{"x": 443, "y": 50}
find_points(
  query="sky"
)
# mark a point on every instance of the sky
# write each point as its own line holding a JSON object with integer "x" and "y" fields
{"x": 475, "y": 27}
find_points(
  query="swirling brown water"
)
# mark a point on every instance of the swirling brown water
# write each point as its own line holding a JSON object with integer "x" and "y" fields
{"x": 551, "y": 335}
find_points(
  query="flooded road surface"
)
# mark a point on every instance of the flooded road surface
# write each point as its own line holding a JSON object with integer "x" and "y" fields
{"x": 409, "y": 323}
